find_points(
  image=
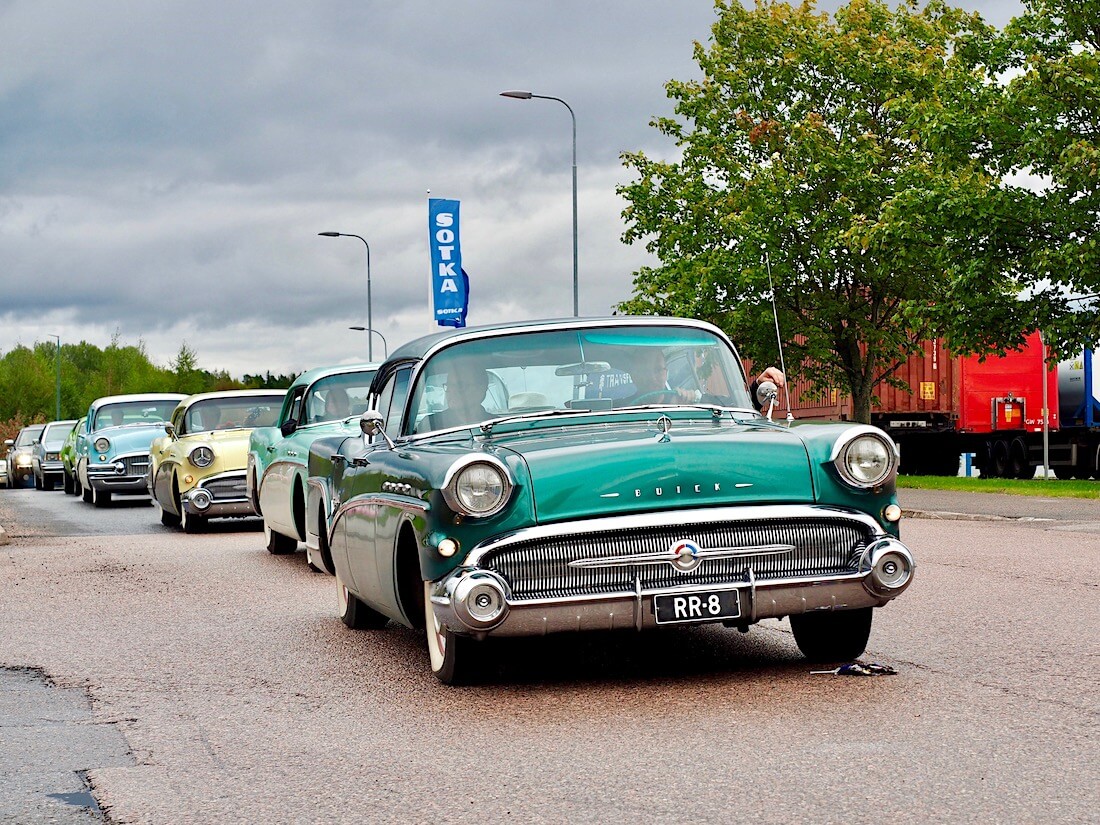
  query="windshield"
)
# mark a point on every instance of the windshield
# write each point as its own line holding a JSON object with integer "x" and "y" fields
{"x": 588, "y": 369}
{"x": 134, "y": 412}
{"x": 337, "y": 396}
{"x": 27, "y": 436}
{"x": 54, "y": 437}
{"x": 230, "y": 413}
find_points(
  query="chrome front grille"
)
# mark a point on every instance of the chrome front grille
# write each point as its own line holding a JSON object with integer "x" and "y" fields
{"x": 539, "y": 568}
{"x": 226, "y": 487}
{"x": 136, "y": 465}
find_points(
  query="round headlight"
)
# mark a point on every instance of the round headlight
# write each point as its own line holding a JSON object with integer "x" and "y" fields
{"x": 102, "y": 445}
{"x": 201, "y": 457}
{"x": 478, "y": 486}
{"x": 866, "y": 461}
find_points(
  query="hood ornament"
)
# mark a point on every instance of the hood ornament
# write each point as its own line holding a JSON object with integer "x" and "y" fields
{"x": 664, "y": 424}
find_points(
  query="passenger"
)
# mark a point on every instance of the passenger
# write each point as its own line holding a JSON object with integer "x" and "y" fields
{"x": 118, "y": 415}
{"x": 337, "y": 404}
{"x": 650, "y": 377}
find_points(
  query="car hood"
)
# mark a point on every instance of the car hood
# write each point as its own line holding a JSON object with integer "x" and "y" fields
{"x": 128, "y": 439}
{"x": 594, "y": 471}
{"x": 230, "y": 446}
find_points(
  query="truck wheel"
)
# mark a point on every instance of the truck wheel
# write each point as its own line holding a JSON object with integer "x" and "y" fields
{"x": 834, "y": 636}
{"x": 1018, "y": 464}
{"x": 998, "y": 463}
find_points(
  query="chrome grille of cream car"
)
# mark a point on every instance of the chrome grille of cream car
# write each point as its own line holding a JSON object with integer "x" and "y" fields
{"x": 540, "y": 568}
{"x": 226, "y": 487}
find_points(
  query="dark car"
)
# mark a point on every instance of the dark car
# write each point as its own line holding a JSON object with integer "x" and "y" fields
{"x": 548, "y": 477}
{"x": 46, "y": 454}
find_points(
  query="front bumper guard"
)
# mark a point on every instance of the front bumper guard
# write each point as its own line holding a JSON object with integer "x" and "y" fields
{"x": 466, "y": 600}
{"x": 203, "y": 502}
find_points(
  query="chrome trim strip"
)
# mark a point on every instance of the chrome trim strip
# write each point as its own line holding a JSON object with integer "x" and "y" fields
{"x": 666, "y": 558}
{"x": 669, "y": 518}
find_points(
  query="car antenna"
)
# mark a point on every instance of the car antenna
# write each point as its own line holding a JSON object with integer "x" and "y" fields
{"x": 778, "y": 341}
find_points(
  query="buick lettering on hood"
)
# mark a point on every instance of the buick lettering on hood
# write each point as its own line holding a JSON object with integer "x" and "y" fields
{"x": 600, "y": 474}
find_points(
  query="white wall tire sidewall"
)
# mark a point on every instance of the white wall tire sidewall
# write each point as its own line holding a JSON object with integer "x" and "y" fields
{"x": 436, "y": 634}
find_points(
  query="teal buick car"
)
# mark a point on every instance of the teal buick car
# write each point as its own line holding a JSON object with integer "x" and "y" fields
{"x": 602, "y": 474}
{"x": 112, "y": 445}
{"x": 320, "y": 402}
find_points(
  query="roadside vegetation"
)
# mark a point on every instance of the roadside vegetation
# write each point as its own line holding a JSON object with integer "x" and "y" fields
{"x": 1047, "y": 488}
{"x": 28, "y": 379}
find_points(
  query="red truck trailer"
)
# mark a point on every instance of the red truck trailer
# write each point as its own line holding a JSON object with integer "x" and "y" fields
{"x": 991, "y": 408}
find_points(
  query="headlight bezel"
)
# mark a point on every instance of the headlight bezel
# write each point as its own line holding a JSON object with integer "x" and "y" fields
{"x": 201, "y": 456}
{"x": 844, "y": 448}
{"x": 460, "y": 472}
{"x": 102, "y": 444}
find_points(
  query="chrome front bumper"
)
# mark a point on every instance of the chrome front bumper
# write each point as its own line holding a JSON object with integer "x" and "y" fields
{"x": 477, "y": 601}
{"x": 124, "y": 474}
{"x": 221, "y": 496}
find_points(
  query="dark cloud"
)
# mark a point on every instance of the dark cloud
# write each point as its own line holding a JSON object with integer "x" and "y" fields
{"x": 165, "y": 167}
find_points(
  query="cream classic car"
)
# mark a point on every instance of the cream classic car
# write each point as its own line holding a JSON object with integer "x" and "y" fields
{"x": 196, "y": 470}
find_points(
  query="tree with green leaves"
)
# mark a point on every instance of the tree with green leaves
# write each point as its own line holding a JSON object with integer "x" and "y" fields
{"x": 836, "y": 158}
{"x": 1050, "y": 129}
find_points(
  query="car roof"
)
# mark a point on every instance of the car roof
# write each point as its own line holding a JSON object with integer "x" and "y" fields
{"x": 203, "y": 396}
{"x": 146, "y": 396}
{"x": 421, "y": 347}
{"x": 309, "y": 376}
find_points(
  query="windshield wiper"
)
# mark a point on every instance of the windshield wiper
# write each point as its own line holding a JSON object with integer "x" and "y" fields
{"x": 487, "y": 426}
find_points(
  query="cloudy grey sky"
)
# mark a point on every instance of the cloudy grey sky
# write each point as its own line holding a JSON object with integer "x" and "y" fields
{"x": 165, "y": 167}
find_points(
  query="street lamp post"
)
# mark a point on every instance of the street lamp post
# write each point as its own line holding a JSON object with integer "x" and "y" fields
{"x": 523, "y": 95}
{"x": 385, "y": 346}
{"x": 57, "y": 389}
{"x": 370, "y": 325}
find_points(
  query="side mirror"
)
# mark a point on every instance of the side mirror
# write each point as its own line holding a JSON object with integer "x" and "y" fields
{"x": 766, "y": 395}
{"x": 371, "y": 423}
{"x": 168, "y": 428}
{"x": 288, "y": 427}
{"x": 9, "y": 442}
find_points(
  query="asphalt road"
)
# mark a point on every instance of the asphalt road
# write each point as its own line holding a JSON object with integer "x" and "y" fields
{"x": 239, "y": 696}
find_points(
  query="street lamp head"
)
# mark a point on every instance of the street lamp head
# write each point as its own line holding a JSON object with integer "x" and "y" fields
{"x": 517, "y": 94}
{"x": 329, "y": 234}
{"x": 360, "y": 329}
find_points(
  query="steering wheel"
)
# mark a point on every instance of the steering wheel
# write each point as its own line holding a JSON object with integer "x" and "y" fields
{"x": 654, "y": 395}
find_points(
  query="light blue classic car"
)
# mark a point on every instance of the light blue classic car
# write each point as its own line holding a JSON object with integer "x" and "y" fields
{"x": 112, "y": 448}
{"x": 321, "y": 402}
{"x": 602, "y": 474}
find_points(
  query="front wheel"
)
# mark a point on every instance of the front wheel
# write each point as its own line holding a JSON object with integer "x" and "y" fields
{"x": 354, "y": 613}
{"x": 67, "y": 484}
{"x": 100, "y": 498}
{"x": 451, "y": 656}
{"x": 167, "y": 518}
{"x": 277, "y": 543}
{"x": 834, "y": 636}
{"x": 192, "y": 524}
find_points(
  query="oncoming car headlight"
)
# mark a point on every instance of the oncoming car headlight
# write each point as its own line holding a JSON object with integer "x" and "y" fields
{"x": 102, "y": 445}
{"x": 201, "y": 457}
{"x": 477, "y": 485}
{"x": 865, "y": 458}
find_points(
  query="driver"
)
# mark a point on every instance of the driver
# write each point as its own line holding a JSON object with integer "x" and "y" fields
{"x": 118, "y": 415}
{"x": 337, "y": 404}
{"x": 466, "y": 387}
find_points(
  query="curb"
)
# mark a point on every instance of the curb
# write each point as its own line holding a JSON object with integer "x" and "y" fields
{"x": 946, "y": 516}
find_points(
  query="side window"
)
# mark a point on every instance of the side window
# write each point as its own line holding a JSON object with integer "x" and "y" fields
{"x": 397, "y": 403}
{"x": 391, "y": 401}
{"x": 295, "y": 411}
